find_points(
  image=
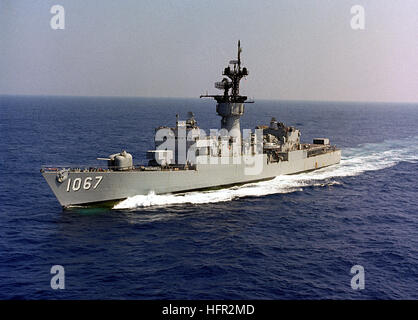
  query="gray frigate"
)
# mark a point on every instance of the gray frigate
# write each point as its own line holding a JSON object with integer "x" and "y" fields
{"x": 186, "y": 159}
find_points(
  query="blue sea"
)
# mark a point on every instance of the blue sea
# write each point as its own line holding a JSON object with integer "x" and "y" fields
{"x": 294, "y": 237}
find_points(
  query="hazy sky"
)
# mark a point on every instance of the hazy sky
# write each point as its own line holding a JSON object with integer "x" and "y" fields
{"x": 294, "y": 49}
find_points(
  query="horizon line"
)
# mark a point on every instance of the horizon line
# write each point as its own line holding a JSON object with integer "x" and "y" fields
{"x": 197, "y": 98}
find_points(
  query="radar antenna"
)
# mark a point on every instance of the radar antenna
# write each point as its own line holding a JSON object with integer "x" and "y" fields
{"x": 235, "y": 74}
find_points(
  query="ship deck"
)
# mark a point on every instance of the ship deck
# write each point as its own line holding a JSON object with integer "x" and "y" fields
{"x": 312, "y": 150}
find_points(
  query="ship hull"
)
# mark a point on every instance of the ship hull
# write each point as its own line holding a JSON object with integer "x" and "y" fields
{"x": 84, "y": 188}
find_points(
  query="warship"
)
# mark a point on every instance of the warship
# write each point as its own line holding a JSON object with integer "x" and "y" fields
{"x": 186, "y": 159}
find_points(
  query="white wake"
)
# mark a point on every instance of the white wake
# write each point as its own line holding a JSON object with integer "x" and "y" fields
{"x": 354, "y": 161}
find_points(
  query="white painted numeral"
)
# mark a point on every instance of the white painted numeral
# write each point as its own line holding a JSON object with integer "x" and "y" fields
{"x": 87, "y": 183}
{"x": 99, "y": 179}
{"x": 77, "y": 184}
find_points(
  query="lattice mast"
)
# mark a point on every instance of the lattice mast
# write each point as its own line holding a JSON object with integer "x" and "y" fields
{"x": 230, "y": 106}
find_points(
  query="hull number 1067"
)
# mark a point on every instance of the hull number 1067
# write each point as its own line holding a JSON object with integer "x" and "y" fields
{"x": 88, "y": 182}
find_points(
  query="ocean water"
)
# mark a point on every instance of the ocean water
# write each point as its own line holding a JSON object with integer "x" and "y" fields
{"x": 295, "y": 237}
